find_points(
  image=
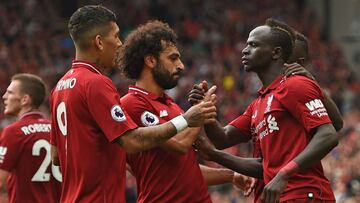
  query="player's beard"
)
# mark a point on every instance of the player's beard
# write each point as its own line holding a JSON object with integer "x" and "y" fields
{"x": 163, "y": 77}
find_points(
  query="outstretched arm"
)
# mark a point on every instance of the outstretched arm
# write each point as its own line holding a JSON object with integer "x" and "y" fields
{"x": 246, "y": 166}
{"x": 216, "y": 176}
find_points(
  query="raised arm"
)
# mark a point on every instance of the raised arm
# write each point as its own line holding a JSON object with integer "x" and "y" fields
{"x": 222, "y": 137}
{"x": 145, "y": 138}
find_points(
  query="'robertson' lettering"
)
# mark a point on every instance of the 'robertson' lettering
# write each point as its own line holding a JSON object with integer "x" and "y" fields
{"x": 34, "y": 128}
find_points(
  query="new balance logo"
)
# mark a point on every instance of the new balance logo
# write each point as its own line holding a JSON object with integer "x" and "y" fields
{"x": 314, "y": 104}
{"x": 163, "y": 113}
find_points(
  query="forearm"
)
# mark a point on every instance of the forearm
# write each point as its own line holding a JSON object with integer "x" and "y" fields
{"x": 54, "y": 155}
{"x": 216, "y": 176}
{"x": 182, "y": 141}
{"x": 216, "y": 133}
{"x": 333, "y": 112}
{"x": 145, "y": 138}
{"x": 3, "y": 178}
{"x": 3, "y": 187}
{"x": 247, "y": 166}
{"x": 320, "y": 145}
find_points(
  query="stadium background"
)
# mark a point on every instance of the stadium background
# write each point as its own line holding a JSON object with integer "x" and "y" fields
{"x": 34, "y": 39}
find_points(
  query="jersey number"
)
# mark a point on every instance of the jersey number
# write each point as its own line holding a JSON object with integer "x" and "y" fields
{"x": 61, "y": 112}
{"x": 41, "y": 175}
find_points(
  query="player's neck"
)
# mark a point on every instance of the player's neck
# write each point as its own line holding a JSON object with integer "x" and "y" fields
{"x": 25, "y": 110}
{"x": 270, "y": 74}
{"x": 88, "y": 57}
{"x": 150, "y": 86}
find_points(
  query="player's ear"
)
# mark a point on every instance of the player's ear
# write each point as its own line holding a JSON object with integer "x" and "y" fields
{"x": 26, "y": 100}
{"x": 98, "y": 42}
{"x": 150, "y": 61}
{"x": 277, "y": 52}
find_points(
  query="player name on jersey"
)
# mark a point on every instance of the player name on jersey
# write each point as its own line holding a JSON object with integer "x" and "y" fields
{"x": 66, "y": 84}
{"x": 34, "y": 128}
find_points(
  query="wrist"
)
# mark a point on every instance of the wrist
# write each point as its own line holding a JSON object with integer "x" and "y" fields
{"x": 289, "y": 169}
{"x": 282, "y": 175}
{"x": 233, "y": 176}
{"x": 180, "y": 123}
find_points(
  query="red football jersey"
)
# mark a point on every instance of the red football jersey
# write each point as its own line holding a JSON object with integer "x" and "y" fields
{"x": 162, "y": 176}
{"x": 25, "y": 154}
{"x": 282, "y": 118}
{"x": 86, "y": 118}
{"x": 259, "y": 185}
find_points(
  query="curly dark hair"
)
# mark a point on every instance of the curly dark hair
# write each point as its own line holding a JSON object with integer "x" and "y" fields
{"x": 147, "y": 39}
{"x": 89, "y": 21}
{"x": 282, "y": 36}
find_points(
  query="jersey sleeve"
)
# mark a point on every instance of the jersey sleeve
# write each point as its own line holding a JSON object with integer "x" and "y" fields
{"x": 10, "y": 149}
{"x": 303, "y": 98}
{"x": 53, "y": 140}
{"x": 105, "y": 107}
{"x": 243, "y": 122}
{"x": 139, "y": 110}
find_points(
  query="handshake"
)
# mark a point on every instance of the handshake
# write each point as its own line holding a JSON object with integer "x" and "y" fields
{"x": 203, "y": 110}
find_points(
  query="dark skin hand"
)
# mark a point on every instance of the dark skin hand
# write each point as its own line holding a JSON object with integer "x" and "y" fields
{"x": 275, "y": 188}
{"x": 221, "y": 137}
{"x": 197, "y": 94}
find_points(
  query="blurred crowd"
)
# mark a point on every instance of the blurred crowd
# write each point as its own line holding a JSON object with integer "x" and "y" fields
{"x": 34, "y": 39}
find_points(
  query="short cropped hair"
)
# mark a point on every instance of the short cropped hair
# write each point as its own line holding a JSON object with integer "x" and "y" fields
{"x": 147, "y": 39}
{"x": 33, "y": 86}
{"x": 89, "y": 21}
{"x": 282, "y": 36}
